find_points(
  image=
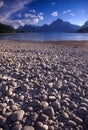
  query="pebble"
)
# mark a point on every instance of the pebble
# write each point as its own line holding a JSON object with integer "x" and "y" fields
{"x": 28, "y": 128}
{"x": 43, "y": 87}
{"x": 17, "y": 127}
{"x": 86, "y": 120}
{"x": 49, "y": 111}
{"x": 17, "y": 115}
{"x": 71, "y": 123}
{"x": 82, "y": 111}
{"x": 44, "y": 104}
{"x": 43, "y": 118}
{"x": 56, "y": 105}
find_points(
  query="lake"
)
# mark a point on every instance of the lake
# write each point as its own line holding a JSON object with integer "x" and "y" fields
{"x": 41, "y": 37}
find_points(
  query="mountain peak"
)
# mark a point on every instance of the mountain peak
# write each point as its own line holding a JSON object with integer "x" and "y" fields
{"x": 56, "y": 26}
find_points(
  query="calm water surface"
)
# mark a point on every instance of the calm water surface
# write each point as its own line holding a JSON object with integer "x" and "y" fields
{"x": 45, "y": 36}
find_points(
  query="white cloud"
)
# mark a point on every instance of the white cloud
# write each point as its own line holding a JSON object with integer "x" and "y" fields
{"x": 32, "y": 11}
{"x": 55, "y": 13}
{"x": 53, "y": 3}
{"x": 72, "y": 14}
{"x": 11, "y": 8}
{"x": 66, "y": 11}
{"x": 34, "y": 17}
{"x": 1, "y": 3}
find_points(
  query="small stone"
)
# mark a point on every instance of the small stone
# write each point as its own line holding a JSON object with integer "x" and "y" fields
{"x": 56, "y": 105}
{"x": 34, "y": 103}
{"x": 4, "y": 105}
{"x": 1, "y": 129}
{"x": 82, "y": 111}
{"x": 44, "y": 104}
{"x": 4, "y": 89}
{"x": 9, "y": 92}
{"x": 39, "y": 125}
{"x": 34, "y": 116}
{"x": 65, "y": 115}
{"x": 64, "y": 103}
{"x": 86, "y": 120}
{"x": 71, "y": 123}
{"x": 17, "y": 115}
{"x": 30, "y": 109}
{"x": 43, "y": 118}
{"x": 76, "y": 119}
{"x": 49, "y": 112}
{"x": 14, "y": 84}
{"x": 45, "y": 127}
{"x": 2, "y": 121}
{"x": 21, "y": 97}
{"x": 51, "y": 127}
{"x": 59, "y": 84}
{"x": 17, "y": 127}
{"x": 28, "y": 128}
{"x": 50, "y": 84}
{"x": 52, "y": 98}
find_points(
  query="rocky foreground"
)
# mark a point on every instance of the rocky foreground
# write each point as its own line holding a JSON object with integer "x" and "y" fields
{"x": 43, "y": 86}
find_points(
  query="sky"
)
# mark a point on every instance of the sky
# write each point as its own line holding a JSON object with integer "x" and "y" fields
{"x": 38, "y": 12}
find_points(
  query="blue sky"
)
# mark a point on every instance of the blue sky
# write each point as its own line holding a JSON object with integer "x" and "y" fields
{"x": 39, "y": 12}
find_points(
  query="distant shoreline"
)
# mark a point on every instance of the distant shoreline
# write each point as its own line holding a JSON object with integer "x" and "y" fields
{"x": 64, "y": 42}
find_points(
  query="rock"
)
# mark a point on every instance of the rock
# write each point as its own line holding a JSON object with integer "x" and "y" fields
{"x": 59, "y": 84}
{"x": 50, "y": 84}
{"x": 39, "y": 125}
{"x": 4, "y": 89}
{"x": 34, "y": 116}
{"x": 56, "y": 105}
{"x": 45, "y": 127}
{"x": 51, "y": 128}
{"x": 86, "y": 120}
{"x": 1, "y": 129}
{"x": 17, "y": 127}
{"x": 73, "y": 105}
{"x": 43, "y": 118}
{"x": 17, "y": 115}
{"x": 28, "y": 128}
{"x": 2, "y": 121}
{"x": 65, "y": 115}
{"x": 9, "y": 92}
{"x": 49, "y": 112}
{"x": 21, "y": 97}
{"x": 71, "y": 123}
{"x": 14, "y": 84}
{"x": 76, "y": 119}
{"x": 52, "y": 98}
{"x": 82, "y": 111}
{"x": 64, "y": 103}
{"x": 34, "y": 103}
{"x": 44, "y": 104}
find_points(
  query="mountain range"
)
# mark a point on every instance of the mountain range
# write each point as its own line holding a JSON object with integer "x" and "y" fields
{"x": 84, "y": 28}
{"x": 56, "y": 26}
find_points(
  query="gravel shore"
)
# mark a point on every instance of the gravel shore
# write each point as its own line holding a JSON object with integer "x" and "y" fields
{"x": 43, "y": 86}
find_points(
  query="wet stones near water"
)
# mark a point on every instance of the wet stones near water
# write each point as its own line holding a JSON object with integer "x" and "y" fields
{"x": 43, "y": 87}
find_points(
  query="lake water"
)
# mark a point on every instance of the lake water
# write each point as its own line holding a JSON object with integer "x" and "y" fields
{"x": 45, "y": 36}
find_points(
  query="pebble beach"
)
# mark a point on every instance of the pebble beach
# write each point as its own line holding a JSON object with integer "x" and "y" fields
{"x": 43, "y": 86}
